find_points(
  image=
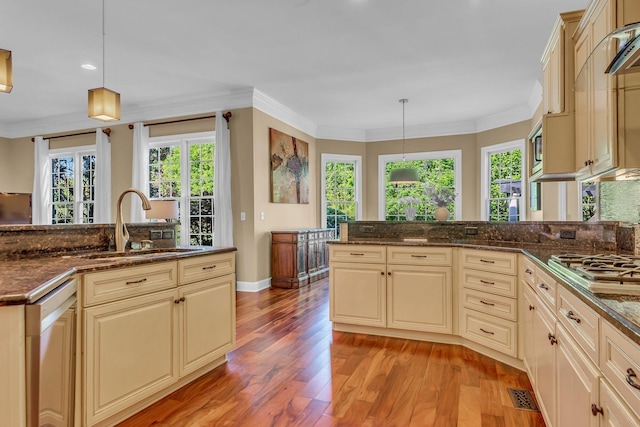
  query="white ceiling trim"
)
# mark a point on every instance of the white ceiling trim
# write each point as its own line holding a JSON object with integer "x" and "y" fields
{"x": 251, "y": 97}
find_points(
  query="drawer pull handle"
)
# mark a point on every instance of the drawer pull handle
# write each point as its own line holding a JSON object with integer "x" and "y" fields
{"x": 488, "y": 261}
{"x": 133, "y": 282}
{"x": 211, "y": 267}
{"x": 528, "y": 271}
{"x": 595, "y": 410}
{"x": 630, "y": 376}
{"x": 543, "y": 286}
{"x": 487, "y": 332}
{"x": 484, "y": 282}
{"x": 418, "y": 256}
{"x": 355, "y": 254}
{"x": 552, "y": 339}
{"x": 487, "y": 303}
{"x": 572, "y": 317}
{"x": 531, "y": 308}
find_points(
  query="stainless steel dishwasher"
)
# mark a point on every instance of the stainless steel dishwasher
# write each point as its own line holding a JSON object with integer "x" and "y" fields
{"x": 50, "y": 349}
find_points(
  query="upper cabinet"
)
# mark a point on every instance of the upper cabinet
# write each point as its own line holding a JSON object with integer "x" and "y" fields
{"x": 556, "y": 140}
{"x": 607, "y": 132}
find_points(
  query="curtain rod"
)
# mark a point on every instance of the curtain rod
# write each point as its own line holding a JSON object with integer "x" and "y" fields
{"x": 106, "y": 131}
{"x": 226, "y": 116}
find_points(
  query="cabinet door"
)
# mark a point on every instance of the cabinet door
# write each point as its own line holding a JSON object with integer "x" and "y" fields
{"x": 577, "y": 380}
{"x": 419, "y": 298}
{"x": 553, "y": 76}
{"x": 582, "y": 104}
{"x": 614, "y": 412}
{"x": 528, "y": 311}
{"x": 56, "y": 372}
{"x": 357, "y": 293}
{"x": 605, "y": 141}
{"x": 207, "y": 321}
{"x": 545, "y": 361}
{"x": 129, "y": 352}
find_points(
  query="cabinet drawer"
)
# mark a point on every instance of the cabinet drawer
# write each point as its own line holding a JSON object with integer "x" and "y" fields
{"x": 358, "y": 253}
{"x": 419, "y": 256}
{"x": 546, "y": 288}
{"x": 499, "y": 284}
{"x": 619, "y": 362}
{"x": 491, "y": 304}
{"x": 528, "y": 270}
{"x": 581, "y": 322}
{"x": 495, "y": 262}
{"x": 123, "y": 283}
{"x": 492, "y": 332}
{"x": 205, "y": 267}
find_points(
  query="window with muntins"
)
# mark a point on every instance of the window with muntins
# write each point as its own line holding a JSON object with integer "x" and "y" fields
{"x": 440, "y": 171}
{"x": 341, "y": 175}
{"x": 72, "y": 186}
{"x": 503, "y": 185}
{"x": 181, "y": 168}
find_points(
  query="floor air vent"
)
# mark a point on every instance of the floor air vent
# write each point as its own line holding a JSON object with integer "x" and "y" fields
{"x": 522, "y": 399}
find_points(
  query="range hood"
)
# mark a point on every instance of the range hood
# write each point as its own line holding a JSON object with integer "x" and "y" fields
{"x": 627, "y": 60}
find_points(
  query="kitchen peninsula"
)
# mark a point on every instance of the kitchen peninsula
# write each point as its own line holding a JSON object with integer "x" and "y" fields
{"x": 147, "y": 322}
{"x": 491, "y": 287}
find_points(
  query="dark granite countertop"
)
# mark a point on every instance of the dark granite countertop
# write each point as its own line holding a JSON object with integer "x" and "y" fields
{"x": 622, "y": 311}
{"x": 25, "y": 279}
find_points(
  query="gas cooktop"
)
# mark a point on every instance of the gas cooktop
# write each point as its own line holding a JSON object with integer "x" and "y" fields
{"x": 602, "y": 273}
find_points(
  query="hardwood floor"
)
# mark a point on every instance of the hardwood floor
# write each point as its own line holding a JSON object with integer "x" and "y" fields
{"x": 291, "y": 369}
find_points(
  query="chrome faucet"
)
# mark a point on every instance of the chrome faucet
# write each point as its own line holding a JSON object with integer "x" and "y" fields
{"x": 121, "y": 233}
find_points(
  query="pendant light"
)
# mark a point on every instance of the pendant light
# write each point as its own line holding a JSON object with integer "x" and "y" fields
{"x": 6, "y": 76}
{"x": 403, "y": 175}
{"x": 104, "y": 104}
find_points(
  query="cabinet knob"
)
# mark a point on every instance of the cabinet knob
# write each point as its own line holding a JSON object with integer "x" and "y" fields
{"x": 382, "y": 273}
{"x": 595, "y": 410}
{"x": 388, "y": 273}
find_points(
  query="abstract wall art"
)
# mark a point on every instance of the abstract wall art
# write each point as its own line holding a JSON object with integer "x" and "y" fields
{"x": 289, "y": 168}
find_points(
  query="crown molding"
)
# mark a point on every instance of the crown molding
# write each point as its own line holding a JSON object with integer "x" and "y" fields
{"x": 351, "y": 135}
{"x": 277, "y": 110}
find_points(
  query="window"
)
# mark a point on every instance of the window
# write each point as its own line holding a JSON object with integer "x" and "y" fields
{"x": 341, "y": 189}
{"x": 503, "y": 187}
{"x": 186, "y": 178}
{"x": 72, "y": 185}
{"x": 438, "y": 169}
{"x": 589, "y": 200}
{"x": 610, "y": 201}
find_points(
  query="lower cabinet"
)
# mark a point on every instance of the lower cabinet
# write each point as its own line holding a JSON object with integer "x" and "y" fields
{"x": 613, "y": 410}
{"x": 358, "y": 294}
{"x": 138, "y": 346}
{"x": 130, "y": 352}
{"x": 419, "y": 298}
{"x": 545, "y": 361}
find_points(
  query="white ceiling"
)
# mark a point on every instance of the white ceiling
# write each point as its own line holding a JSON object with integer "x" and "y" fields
{"x": 337, "y": 67}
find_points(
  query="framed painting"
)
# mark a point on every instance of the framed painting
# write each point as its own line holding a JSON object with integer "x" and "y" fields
{"x": 289, "y": 168}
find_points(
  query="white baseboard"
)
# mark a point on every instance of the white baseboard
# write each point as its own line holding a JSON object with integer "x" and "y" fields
{"x": 253, "y": 286}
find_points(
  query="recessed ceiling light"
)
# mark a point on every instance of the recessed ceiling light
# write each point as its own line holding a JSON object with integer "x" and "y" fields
{"x": 88, "y": 66}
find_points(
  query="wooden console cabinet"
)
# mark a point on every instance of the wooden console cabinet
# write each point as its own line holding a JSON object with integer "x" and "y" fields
{"x": 299, "y": 257}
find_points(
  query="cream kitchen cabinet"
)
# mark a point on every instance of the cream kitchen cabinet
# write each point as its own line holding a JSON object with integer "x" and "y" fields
{"x": 613, "y": 409}
{"x": 395, "y": 287}
{"x": 605, "y": 105}
{"x": 140, "y": 345}
{"x": 528, "y": 307}
{"x": 558, "y": 120}
{"x": 489, "y": 299}
{"x": 419, "y": 289}
{"x": 544, "y": 360}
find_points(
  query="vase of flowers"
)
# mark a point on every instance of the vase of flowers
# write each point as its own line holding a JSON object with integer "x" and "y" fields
{"x": 410, "y": 209}
{"x": 442, "y": 198}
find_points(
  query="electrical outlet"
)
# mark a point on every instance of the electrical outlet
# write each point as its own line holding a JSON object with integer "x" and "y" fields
{"x": 367, "y": 228}
{"x": 167, "y": 234}
{"x": 568, "y": 234}
{"x": 471, "y": 231}
{"x": 155, "y": 234}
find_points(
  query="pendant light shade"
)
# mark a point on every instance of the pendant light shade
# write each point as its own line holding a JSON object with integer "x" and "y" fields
{"x": 403, "y": 175}
{"x": 104, "y": 104}
{"x": 6, "y": 73}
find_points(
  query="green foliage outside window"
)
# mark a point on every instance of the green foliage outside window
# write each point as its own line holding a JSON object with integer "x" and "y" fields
{"x": 435, "y": 173}
{"x": 506, "y": 176}
{"x": 340, "y": 193}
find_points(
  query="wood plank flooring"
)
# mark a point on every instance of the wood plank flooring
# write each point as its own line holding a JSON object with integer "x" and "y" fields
{"x": 291, "y": 369}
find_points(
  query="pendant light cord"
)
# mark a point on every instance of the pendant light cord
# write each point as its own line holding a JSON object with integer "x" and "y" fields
{"x": 103, "y": 72}
{"x": 403, "y": 101}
